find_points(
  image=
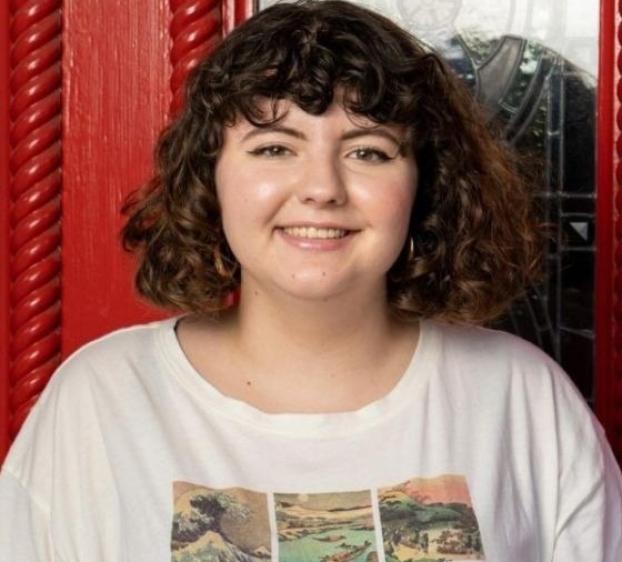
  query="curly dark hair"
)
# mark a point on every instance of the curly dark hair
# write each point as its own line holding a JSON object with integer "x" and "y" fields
{"x": 477, "y": 242}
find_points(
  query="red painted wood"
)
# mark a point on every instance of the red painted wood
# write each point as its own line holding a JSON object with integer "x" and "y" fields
{"x": 604, "y": 217}
{"x": 116, "y": 82}
{"x": 235, "y": 12}
{"x": 4, "y": 229}
{"x": 34, "y": 202}
{"x": 615, "y": 426}
{"x": 196, "y": 28}
{"x": 607, "y": 297}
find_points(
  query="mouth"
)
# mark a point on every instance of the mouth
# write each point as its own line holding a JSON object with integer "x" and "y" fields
{"x": 316, "y": 233}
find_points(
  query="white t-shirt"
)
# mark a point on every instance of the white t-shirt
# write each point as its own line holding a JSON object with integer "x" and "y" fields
{"x": 483, "y": 450}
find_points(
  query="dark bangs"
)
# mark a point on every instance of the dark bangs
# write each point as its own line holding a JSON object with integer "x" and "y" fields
{"x": 309, "y": 54}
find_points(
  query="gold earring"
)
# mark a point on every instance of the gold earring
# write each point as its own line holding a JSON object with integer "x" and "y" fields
{"x": 411, "y": 248}
{"x": 220, "y": 266}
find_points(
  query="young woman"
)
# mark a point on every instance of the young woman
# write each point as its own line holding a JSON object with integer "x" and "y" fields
{"x": 335, "y": 221}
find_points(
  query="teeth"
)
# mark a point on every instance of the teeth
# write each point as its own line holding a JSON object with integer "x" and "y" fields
{"x": 312, "y": 232}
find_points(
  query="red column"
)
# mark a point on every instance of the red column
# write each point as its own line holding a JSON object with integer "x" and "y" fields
{"x": 4, "y": 229}
{"x": 34, "y": 211}
{"x": 608, "y": 297}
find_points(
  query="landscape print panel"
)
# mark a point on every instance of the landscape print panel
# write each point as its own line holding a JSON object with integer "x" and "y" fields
{"x": 429, "y": 520}
{"x": 219, "y": 525}
{"x": 335, "y": 527}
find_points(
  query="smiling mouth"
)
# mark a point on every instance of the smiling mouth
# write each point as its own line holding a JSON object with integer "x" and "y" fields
{"x": 315, "y": 233}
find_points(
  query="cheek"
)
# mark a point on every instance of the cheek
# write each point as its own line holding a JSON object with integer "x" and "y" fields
{"x": 249, "y": 198}
{"x": 248, "y": 204}
{"x": 234, "y": 187}
{"x": 231, "y": 201}
{"x": 389, "y": 204}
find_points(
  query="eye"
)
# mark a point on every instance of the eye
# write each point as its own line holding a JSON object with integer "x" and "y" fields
{"x": 369, "y": 154}
{"x": 271, "y": 151}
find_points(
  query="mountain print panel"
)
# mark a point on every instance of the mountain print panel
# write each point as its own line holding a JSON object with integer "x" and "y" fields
{"x": 429, "y": 519}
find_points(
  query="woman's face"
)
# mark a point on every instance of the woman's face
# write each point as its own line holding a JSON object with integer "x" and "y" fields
{"x": 315, "y": 206}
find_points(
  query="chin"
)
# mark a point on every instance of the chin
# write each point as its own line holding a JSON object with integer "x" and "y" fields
{"x": 312, "y": 287}
{"x": 324, "y": 290}
{"x": 315, "y": 284}
{"x": 313, "y": 292}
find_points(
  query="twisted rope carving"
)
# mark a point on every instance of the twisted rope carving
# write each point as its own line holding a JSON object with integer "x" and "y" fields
{"x": 196, "y": 28}
{"x": 35, "y": 212}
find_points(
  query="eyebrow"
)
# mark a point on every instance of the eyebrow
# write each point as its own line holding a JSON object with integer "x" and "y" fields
{"x": 348, "y": 135}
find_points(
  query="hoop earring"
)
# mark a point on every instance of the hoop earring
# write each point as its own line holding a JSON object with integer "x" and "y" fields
{"x": 220, "y": 265}
{"x": 411, "y": 248}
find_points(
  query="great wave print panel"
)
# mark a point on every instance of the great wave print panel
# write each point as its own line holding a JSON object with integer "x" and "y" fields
{"x": 219, "y": 525}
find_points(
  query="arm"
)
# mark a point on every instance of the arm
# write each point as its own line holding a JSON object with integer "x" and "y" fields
{"x": 589, "y": 523}
{"x": 24, "y": 524}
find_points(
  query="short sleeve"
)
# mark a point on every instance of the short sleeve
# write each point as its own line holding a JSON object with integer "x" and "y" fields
{"x": 25, "y": 484}
{"x": 590, "y": 508}
{"x": 24, "y": 524}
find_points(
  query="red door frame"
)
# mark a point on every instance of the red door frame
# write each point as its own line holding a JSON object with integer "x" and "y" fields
{"x": 608, "y": 286}
{"x": 5, "y": 385}
{"x": 112, "y": 111}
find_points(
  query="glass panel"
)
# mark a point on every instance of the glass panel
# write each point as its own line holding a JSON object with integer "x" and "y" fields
{"x": 533, "y": 63}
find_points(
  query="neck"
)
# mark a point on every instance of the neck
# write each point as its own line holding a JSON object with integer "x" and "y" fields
{"x": 282, "y": 332}
{"x": 289, "y": 354}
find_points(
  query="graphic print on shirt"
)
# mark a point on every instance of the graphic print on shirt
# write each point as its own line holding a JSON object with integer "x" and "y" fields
{"x": 419, "y": 520}
{"x": 335, "y": 527}
{"x": 224, "y": 525}
{"x": 428, "y": 519}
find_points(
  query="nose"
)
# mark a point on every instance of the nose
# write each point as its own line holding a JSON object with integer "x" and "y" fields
{"x": 323, "y": 182}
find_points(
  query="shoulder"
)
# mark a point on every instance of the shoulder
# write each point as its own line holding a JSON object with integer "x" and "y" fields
{"x": 476, "y": 346}
{"x": 106, "y": 367}
{"x": 497, "y": 369}
{"x": 111, "y": 355}
{"x": 118, "y": 368}
{"x": 129, "y": 340}
{"x": 94, "y": 385}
